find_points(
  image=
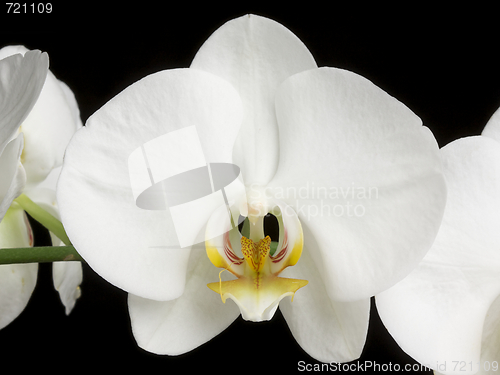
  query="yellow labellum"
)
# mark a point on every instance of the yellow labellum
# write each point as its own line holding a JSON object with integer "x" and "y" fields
{"x": 257, "y": 292}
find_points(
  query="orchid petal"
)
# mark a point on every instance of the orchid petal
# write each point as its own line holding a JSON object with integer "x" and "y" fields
{"x": 133, "y": 248}
{"x": 328, "y": 330}
{"x": 48, "y": 130}
{"x": 255, "y": 54}
{"x": 17, "y": 280}
{"x": 492, "y": 128}
{"x": 13, "y": 175}
{"x": 51, "y": 181}
{"x": 436, "y": 314}
{"x": 490, "y": 347}
{"x": 178, "y": 326}
{"x": 49, "y": 126}
{"x": 373, "y": 195}
{"x": 21, "y": 80}
{"x": 67, "y": 278}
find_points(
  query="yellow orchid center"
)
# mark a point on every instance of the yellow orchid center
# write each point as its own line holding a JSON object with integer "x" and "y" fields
{"x": 258, "y": 289}
{"x": 256, "y": 253}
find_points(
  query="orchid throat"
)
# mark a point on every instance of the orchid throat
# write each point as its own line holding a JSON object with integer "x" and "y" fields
{"x": 257, "y": 289}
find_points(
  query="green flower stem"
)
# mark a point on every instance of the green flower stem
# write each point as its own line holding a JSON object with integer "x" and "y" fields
{"x": 44, "y": 218}
{"x": 41, "y": 254}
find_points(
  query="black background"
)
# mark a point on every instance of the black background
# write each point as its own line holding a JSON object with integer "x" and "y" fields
{"x": 442, "y": 65}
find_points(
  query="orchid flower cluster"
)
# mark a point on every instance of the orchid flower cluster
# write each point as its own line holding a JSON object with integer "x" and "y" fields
{"x": 39, "y": 115}
{"x": 258, "y": 177}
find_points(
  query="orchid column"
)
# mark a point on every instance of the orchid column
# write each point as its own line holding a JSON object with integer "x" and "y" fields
{"x": 350, "y": 173}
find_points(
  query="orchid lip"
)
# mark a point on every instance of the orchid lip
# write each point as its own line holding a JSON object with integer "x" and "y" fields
{"x": 258, "y": 289}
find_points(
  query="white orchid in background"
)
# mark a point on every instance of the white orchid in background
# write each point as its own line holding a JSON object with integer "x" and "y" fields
{"x": 350, "y": 173}
{"x": 446, "y": 313}
{"x": 38, "y": 116}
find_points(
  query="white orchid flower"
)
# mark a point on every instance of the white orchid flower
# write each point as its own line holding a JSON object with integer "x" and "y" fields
{"x": 446, "y": 313}
{"x": 21, "y": 81}
{"x": 33, "y": 145}
{"x": 18, "y": 280}
{"x": 310, "y": 144}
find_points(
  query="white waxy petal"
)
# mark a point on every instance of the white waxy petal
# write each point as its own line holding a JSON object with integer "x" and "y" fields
{"x": 67, "y": 278}
{"x": 437, "y": 313}
{"x": 51, "y": 181}
{"x": 492, "y": 128}
{"x": 137, "y": 249}
{"x": 48, "y": 127}
{"x": 363, "y": 174}
{"x": 255, "y": 54}
{"x": 490, "y": 347}
{"x": 178, "y": 326}
{"x": 13, "y": 175}
{"x": 17, "y": 280}
{"x": 328, "y": 330}
{"x": 21, "y": 80}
